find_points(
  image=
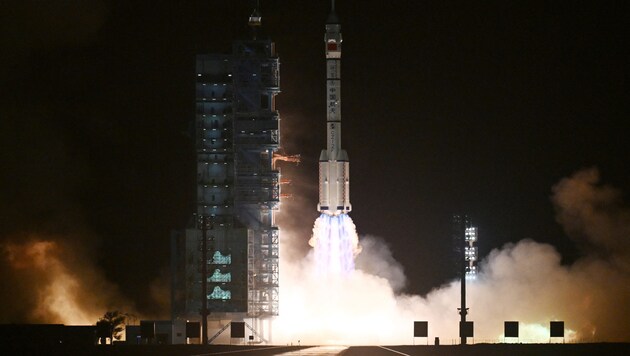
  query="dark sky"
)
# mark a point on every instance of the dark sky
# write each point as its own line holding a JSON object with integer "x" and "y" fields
{"x": 475, "y": 107}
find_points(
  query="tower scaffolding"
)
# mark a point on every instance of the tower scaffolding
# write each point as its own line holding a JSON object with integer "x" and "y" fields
{"x": 229, "y": 257}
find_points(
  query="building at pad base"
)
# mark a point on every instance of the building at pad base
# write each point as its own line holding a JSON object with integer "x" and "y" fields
{"x": 228, "y": 257}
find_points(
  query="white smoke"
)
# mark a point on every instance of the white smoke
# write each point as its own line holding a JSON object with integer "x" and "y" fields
{"x": 594, "y": 216}
{"x": 376, "y": 259}
{"x": 524, "y": 281}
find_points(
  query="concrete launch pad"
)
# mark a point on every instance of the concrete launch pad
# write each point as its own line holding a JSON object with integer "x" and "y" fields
{"x": 450, "y": 350}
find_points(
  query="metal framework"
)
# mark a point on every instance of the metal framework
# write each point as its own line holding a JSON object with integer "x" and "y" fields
{"x": 227, "y": 262}
{"x": 464, "y": 240}
{"x": 256, "y": 140}
{"x": 470, "y": 252}
{"x": 225, "y": 265}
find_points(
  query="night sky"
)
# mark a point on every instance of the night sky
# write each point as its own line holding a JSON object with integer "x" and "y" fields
{"x": 473, "y": 107}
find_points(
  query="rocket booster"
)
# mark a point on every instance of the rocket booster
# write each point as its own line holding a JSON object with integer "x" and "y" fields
{"x": 334, "y": 164}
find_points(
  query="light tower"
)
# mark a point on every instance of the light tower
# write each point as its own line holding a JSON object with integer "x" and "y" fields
{"x": 464, "y": 240}
{"x": 470, "y": 252}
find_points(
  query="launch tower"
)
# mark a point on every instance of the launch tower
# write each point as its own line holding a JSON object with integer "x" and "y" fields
{"x": 228, "y": 257}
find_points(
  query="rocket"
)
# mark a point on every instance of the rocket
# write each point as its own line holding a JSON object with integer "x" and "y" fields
{"x": 334, "y": 164}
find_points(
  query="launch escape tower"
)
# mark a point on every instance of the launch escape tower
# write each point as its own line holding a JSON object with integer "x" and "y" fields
{"x": 464, "y": 242}
{"x": 228, "y": 256}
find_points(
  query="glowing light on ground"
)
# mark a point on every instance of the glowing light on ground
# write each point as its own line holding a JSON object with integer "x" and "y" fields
{"x": 64, "y": 288}
{"x": 58, "y": 289}
{"x": 529, "y": 333}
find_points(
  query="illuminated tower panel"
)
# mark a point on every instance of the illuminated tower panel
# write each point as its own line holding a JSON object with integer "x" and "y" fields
{"x": 470, "y": 252}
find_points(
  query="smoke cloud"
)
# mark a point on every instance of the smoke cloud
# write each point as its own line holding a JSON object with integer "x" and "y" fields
{"x": 49, "y": 265}
{"x": 47, "y": 280}
{"x": 376, "y": 259}
{"x": 525, "y": 281}
{"x": 50, "y": 258}
{"x": 593, "y": 215}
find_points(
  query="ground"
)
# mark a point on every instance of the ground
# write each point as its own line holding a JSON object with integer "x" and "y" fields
{"x": 450, "y": 350}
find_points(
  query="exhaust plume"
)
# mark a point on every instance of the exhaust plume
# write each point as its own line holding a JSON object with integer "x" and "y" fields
{"x": 49, "y": 281}
{"x": 524, "y": 281}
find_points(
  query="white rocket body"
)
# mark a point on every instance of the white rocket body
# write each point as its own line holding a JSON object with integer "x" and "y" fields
{"x": 334, "y": 164}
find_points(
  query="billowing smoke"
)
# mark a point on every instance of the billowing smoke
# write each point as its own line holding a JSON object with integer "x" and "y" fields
{"x": 594, "y": 217}
{"x": 49, "y": 265}
{"x": 376, "y": 259}
{"x": 49, "y": 279}
{"x": 525, "y": 281}
{"x": 51, "y": 259}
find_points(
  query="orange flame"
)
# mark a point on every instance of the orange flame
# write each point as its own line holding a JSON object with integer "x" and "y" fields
{"x": 58, "y": 288}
